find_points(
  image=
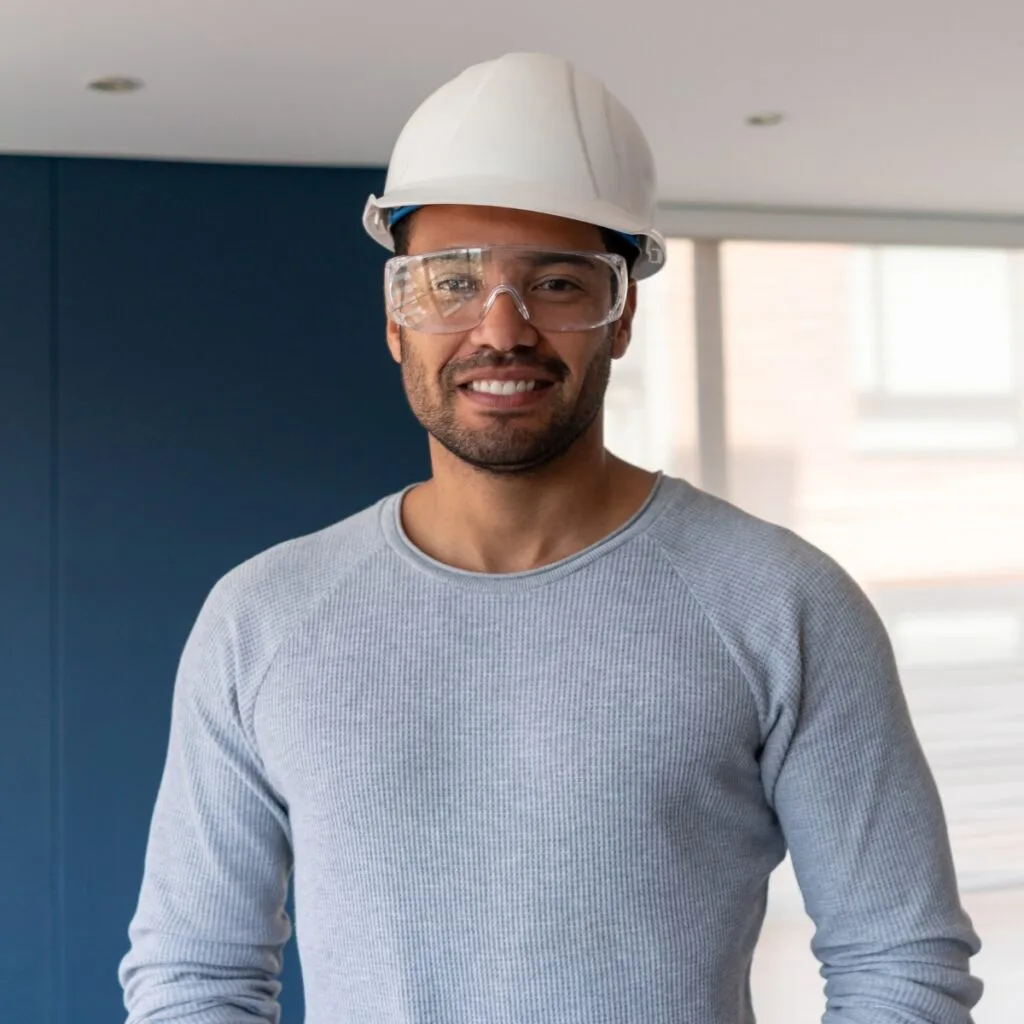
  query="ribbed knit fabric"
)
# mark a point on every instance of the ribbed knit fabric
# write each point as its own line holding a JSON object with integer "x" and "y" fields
{"x": 551, "y": 797}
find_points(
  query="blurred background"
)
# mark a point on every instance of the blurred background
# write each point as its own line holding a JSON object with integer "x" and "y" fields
{"x": 192, "y": 369}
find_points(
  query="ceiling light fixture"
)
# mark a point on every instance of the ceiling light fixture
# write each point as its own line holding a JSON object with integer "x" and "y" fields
{"x": 766, "y": 120}
{"x": 115, "y": 84}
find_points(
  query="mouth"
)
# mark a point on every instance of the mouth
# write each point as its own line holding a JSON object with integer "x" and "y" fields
{"x": 506, "y": 394}
{"x": 505, "y": 387}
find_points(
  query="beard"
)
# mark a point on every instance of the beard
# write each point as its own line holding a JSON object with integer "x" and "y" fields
{"x": 503, "y": 447}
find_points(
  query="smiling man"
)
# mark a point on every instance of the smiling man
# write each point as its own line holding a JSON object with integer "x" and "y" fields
{"x": 532, "y": 735}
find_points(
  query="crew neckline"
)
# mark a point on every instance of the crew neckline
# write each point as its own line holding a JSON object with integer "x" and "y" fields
{"x": 661, "y": 494}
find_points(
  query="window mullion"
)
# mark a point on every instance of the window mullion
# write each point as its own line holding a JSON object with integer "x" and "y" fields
{"x": 710, "y": 354}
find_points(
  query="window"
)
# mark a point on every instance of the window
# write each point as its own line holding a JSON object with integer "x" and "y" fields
{"x": 936, "y": 343}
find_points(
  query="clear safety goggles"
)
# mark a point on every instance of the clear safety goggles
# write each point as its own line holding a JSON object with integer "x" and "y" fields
{"x": 453, "y": 290}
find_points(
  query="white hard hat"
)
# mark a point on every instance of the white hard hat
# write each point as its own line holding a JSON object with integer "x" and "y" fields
{"x": 528, "y": 132}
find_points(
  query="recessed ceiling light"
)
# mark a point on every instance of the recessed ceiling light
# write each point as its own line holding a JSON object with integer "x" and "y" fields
{"x": 115, "y": 83}
{"x": 769, "y": 119}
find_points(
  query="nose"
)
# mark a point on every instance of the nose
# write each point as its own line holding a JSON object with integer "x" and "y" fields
{"x": 504, "y": 327}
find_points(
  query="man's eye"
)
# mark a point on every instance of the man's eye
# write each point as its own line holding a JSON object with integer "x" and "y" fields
{"x": 557, "y": 284}
{"x": 455, "y": 285}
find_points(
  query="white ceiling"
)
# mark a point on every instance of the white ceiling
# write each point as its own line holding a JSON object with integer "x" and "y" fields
{"x": 891, "y": 104}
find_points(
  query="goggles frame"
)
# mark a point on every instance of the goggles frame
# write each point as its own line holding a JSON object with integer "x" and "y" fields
{"x": 399, "y": 264}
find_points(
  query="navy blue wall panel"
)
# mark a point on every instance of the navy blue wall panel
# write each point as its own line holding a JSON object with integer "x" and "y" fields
{"x": 28, "y": 715}
{"x": 223, "y": 384}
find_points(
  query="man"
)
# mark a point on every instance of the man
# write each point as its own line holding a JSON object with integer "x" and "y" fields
{"x": 533, "y": 735}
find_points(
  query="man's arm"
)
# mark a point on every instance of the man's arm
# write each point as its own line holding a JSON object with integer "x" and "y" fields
{"x": 865, "y": 827}
{"x": 207, "y": 936}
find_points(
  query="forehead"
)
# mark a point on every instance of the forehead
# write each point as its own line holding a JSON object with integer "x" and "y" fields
{"x": 448, "y": 227}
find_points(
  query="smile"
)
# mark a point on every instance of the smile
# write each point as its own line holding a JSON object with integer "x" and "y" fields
{"x": 505, "y": 387}
{"x": 506, "y": 394}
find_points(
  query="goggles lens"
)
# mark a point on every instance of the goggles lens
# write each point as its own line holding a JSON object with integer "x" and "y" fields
{"x": 452, "y": 291}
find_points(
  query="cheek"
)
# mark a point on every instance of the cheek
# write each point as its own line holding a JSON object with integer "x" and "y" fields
{"x": 422, "y": 364}
{"x": 584, "y": 358}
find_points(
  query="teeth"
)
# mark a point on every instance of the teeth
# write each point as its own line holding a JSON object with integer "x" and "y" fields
{"x": 502, "y": 387}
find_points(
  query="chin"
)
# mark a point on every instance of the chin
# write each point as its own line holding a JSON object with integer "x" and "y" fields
{"x": 506, "y": 470}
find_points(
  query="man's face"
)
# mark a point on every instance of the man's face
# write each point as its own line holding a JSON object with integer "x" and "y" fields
{"x": 566, "y": 372}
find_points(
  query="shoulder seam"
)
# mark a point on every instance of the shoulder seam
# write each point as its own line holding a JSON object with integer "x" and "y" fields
{"x": 314, "y": 606}
{"x": 818, "y": 572}
{"x": 711, "y": 622}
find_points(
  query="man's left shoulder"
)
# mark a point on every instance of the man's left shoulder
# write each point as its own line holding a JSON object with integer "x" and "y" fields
{"x": 732, "y": 558}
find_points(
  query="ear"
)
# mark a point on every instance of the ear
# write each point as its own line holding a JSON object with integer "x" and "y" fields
{"x": 394, "y": 339}
{"x": 624, "y": 326}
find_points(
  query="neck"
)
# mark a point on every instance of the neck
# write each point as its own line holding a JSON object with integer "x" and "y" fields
{"x": 500, "y": 523}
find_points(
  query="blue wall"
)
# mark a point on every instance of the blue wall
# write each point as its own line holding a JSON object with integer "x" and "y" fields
{"x": 193, "y": 369}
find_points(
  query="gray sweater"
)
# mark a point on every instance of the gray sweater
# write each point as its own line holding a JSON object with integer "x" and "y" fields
{"x": 551, "y": 797}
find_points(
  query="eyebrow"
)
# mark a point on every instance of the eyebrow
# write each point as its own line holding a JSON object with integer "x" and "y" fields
{"x": 446, "y": 255}
{"x": 547, "y": 259}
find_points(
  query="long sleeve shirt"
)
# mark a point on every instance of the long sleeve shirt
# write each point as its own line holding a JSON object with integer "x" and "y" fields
{"x": 549, "y": 797}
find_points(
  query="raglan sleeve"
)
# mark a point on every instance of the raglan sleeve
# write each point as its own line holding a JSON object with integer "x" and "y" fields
{"x": 864, "y": 824}
{"x": 207, "y": 936}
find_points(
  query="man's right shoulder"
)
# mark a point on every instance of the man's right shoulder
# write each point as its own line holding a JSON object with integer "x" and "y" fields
{"x": 259, "y": 602}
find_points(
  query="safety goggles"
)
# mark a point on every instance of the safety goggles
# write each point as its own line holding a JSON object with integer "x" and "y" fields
{"x": 451, "y": 291}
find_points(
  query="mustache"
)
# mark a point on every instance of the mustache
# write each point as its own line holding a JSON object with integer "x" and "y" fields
{"x": 495, "y": 361}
